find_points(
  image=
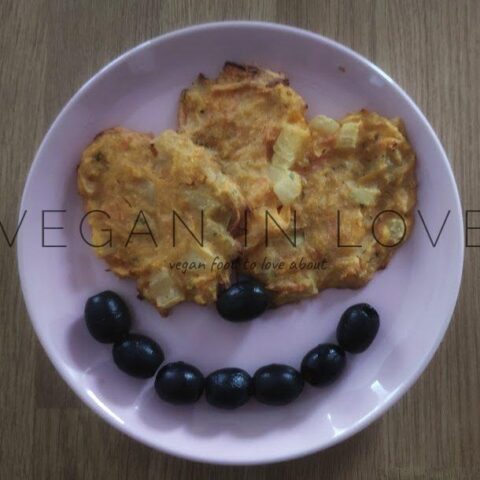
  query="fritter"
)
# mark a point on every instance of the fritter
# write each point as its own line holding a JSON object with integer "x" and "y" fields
{"x": 240, "y": 115}
{"x": 355, "y": 210}
{"x": 148, "y": 199}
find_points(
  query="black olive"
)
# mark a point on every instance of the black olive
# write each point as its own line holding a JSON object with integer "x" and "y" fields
{"x": 179, "y": 383}
{"x": 228, "y": 388}
{"x": 243, "y": 301}
{"x": 323, "y": 364}
{"x": 137, "y": 355}
{"x": 277, "y": 384}
{"x": 107, "y": 317}
{"x": 358, "y": 328}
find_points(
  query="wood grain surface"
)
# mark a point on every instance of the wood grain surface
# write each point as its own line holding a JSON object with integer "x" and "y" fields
{"x": 50, "y": 48}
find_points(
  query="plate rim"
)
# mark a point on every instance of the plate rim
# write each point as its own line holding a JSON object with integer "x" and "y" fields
{"x": 395, "y": 395}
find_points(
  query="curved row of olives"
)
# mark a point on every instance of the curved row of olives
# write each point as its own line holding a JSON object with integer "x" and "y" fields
{"x": 108, "y": 321}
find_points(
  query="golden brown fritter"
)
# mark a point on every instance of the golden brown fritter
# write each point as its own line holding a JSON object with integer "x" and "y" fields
{"x": 139, "y": 182}
{"x": 358, "y": 168}
{"x": 240, "y": 115}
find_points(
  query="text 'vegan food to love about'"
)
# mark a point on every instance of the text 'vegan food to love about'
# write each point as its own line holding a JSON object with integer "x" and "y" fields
{"x": 249, "y": 181}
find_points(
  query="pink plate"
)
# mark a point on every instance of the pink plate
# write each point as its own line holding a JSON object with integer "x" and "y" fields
{"x": 415, "y": 295}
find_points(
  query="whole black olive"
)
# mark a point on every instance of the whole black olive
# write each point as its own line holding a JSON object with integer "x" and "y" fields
{"x": 323, "y": 364}
{"x": 228, "y": 388}
{"x": 179, "y": 383}
{"x": 137, "y": 355}
{"x": 277, "y": 384}
{"x": 107, "y": 317}
{"x": 358, "y": 328}
{"x": 243, "y": 301}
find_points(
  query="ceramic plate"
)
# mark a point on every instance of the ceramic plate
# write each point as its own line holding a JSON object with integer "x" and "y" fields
{"x": 415, "y": 295}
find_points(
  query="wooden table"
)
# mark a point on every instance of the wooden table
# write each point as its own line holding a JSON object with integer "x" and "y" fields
{"x": 50, "y": 48}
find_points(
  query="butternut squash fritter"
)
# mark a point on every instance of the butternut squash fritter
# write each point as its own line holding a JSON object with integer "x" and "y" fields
{"x": 239, "y": 115}
{"x": 360, "y": 176}
{"x": 137, "y": 182}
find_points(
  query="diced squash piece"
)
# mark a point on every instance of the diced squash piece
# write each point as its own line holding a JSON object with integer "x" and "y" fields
{"x": 163, "y": 289}
{"x": 402, "y": 200}
{"x": 396, "y": 228}
{"x": 290, "y": 145}
{"x": 324, "y": 126}
{"x": 288, "y": 187}
{"x": 348, "y": 135}
{"x": 363, "y": 195}
{"x": 275, "y": 173}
